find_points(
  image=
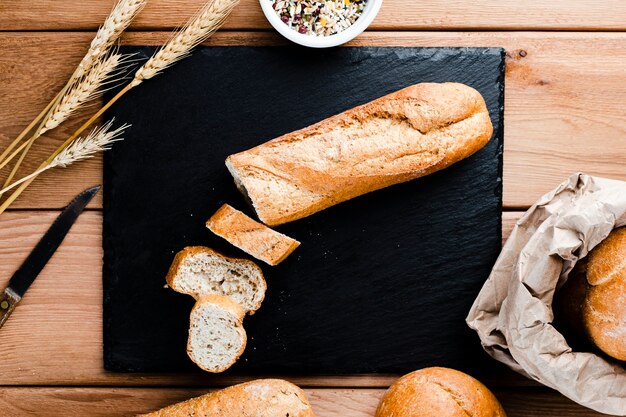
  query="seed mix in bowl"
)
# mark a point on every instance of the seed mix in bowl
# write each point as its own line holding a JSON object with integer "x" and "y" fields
{"x": 318, "y": 17}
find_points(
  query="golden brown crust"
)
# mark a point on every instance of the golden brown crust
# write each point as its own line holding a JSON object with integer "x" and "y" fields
{"x": 236, "y": 310}
{"x": 195, "y": 250}
{"x": 604, "y": 308}
{"x": 251, "y": 236}
{"x": 259, "y": 398}
{"x": 439, "y": 392}
{"x": 402, "y": 136}
{"x": 607, "y": 261}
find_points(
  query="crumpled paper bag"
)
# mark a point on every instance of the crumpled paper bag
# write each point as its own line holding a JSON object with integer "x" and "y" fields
{"x": 513, "y": 312}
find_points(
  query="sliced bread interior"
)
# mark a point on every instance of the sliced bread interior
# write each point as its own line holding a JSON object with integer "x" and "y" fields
{"x": 216, "y": 335}
{"x": 200, "y": 271}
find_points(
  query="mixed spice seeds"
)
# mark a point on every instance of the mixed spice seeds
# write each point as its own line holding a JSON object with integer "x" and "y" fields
{"x": 318, "y": 18}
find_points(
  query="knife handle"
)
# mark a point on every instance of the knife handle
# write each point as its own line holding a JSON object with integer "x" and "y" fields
{"x": 8, "y": 301}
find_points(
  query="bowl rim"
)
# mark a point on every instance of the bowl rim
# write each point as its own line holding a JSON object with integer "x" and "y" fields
{"x": 369, "y": 13}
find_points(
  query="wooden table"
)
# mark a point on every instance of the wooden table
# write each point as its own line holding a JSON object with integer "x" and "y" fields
{"x": 565, "y": 112}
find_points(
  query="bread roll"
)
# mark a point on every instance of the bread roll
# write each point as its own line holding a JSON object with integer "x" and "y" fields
{"x": 402, "y": 136}
{"x": 438, "y": 392}
{"x": 250, "y": 236}
{"x": 260, "y": 398}
{"x": 604, "y": 308}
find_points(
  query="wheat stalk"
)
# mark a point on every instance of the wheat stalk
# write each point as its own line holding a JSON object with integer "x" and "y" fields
{"x": 99, "y": 140}
{"x": 118, "y": 20}
{"x": 198, "y": 29}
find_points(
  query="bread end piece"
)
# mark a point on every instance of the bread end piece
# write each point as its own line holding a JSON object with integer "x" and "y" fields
{"x": 216, "y": 334}
{"x": 200, "y": 271}
{"x": 439, "y": 392}
{"x": 250, "y": 236}
{"x": 261, "y": 397}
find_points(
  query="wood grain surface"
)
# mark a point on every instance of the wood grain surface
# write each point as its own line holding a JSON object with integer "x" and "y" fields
{"x": 55, "y": 334}
{"x": 326, "y": 402}
{"x": 562, "y": 103}
{"x": 394, "y": 15}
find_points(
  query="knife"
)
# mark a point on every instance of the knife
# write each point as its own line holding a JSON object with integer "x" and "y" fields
{"x": 41, "y": 254}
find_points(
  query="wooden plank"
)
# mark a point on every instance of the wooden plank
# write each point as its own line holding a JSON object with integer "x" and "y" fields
{"x": 326, "y": 402}
{"x": 394, "y": 15}
{"x": 55, "y": 334}
{"x": 564, "y": 94}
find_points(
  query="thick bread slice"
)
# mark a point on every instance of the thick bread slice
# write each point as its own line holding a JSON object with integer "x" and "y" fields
{"x": 216, "y": 334}
{"x": 251, "y": 236}
{"x": 402, "y": 136}
{"x": 200, "y": 271}
{"x": 260, "y": 398}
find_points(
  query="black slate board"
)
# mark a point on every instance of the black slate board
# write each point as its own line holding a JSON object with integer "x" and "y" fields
{"x": 380, "y": 284}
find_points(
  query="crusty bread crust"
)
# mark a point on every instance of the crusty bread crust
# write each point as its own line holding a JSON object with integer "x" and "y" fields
{"x": 604, "y": 307}
{"x": 233, "y": 308}
{"x": 259, "y": 398}
{"x": 434, "y": 392}
{"x": 251, "y": 236}
{"x": 194, "y": 250}
{"x": 396, "y": 138}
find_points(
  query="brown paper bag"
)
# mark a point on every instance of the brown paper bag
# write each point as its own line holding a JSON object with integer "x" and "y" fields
{"x": 513, "y": 312}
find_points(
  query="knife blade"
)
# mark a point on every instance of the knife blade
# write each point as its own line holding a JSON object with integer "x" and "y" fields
{"x": 41, "y": 254}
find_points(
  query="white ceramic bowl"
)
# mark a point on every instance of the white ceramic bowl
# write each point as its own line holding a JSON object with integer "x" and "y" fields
{"x": 369, "y": 13}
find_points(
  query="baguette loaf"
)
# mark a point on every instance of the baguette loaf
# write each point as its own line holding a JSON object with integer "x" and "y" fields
{"x": 200, "y": 271}
{"x": 216, "y": 334}
{"x": 251, "y": 236}
{"x": 260, "y": 398}
{"x": 399, "y": 137}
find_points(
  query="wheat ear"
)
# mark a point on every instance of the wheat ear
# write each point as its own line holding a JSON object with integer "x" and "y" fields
{"x": 120, "y": 17}
{"x": 118, "y": 20}
{"x": 99, "y": 140}
{"x": 85, "y": 89}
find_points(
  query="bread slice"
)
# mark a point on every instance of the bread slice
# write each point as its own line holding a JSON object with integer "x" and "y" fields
{"x": 200, "y": 271}
{"x": 216, "y": 334}
{"x": 402, "y": 136}
{"x": 251, "y": 236}
{"x": 259, "y": 398}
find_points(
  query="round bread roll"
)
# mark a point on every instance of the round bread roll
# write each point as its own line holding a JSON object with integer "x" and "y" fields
{"x": 604, "y": 307}
{"x": 439, "y": 392}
